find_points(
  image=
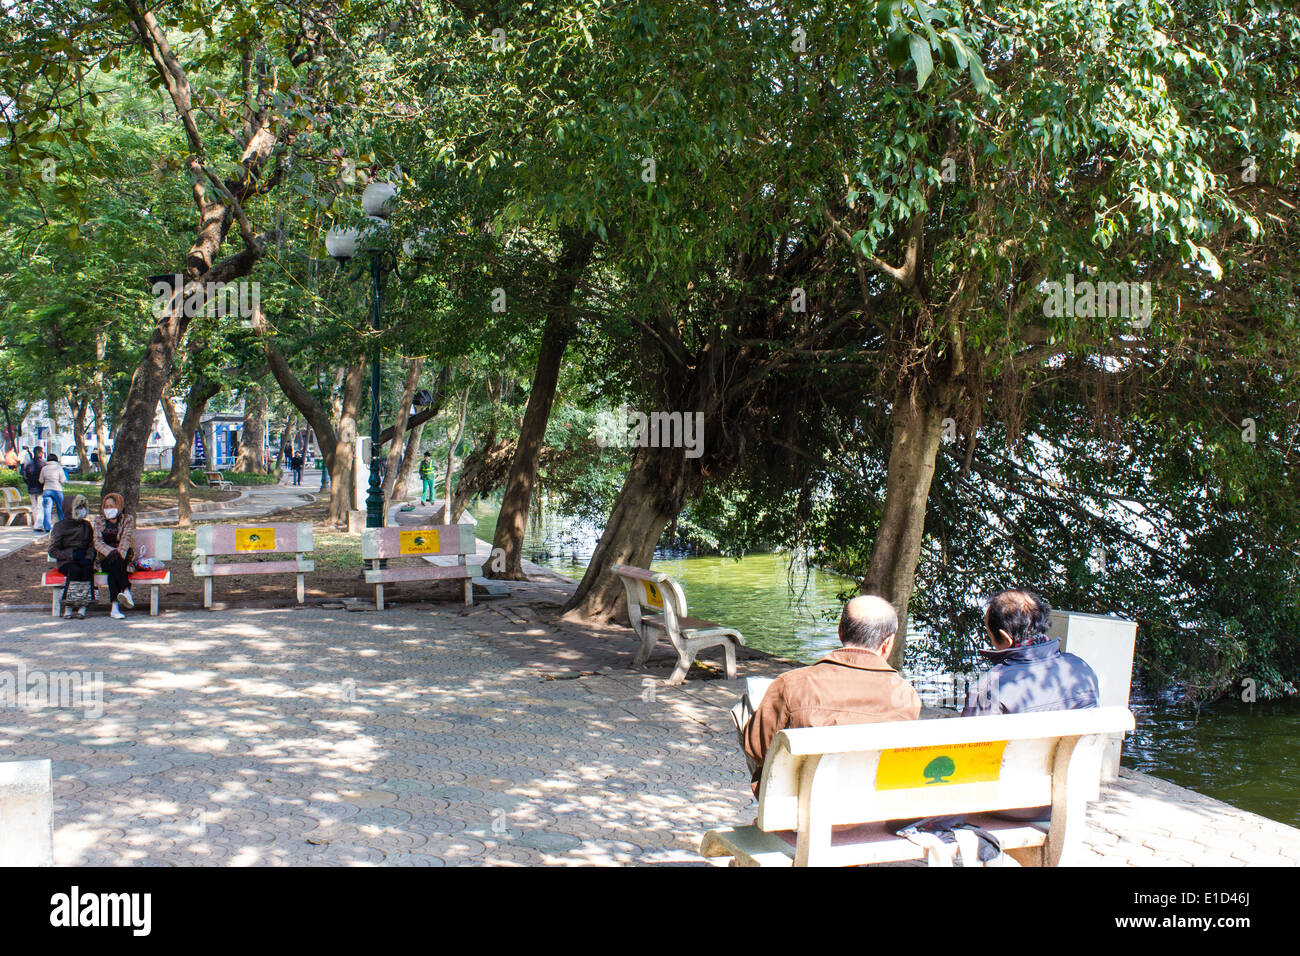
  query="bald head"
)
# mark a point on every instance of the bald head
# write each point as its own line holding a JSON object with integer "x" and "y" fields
{"x": 868, "y": 621}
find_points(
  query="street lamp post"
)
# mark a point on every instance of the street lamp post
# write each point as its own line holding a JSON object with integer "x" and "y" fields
{"x": 342, "y": 244}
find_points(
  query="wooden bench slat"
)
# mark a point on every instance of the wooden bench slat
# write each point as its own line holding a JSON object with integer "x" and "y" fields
{"x": 428, "y": 572}
{"x": 254, "y": 567}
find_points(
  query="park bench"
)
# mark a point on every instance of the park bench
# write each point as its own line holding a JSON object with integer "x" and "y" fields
{"x": 219, "y": 540}
{"x": 152, "y": 543}
{"x": 15, "y": 506}
{"x": 215, "y": 480}
{"x": 827, "y": 792}
{"x": 656, "y": 608}
{"x": 381, "y": 545}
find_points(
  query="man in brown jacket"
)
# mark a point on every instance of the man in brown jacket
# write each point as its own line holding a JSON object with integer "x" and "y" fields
{"x": 853, "y": 685}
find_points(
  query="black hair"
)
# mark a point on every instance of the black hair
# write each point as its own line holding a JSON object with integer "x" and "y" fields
{"x": 1022, "y": 613}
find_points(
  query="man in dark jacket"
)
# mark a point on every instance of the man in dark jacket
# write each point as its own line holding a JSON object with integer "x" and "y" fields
{"x": 1029, "y": 672}
{"x": 32, "y": 477}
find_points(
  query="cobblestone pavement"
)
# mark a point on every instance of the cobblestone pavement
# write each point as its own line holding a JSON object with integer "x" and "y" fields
{"x": 433, "y": 735}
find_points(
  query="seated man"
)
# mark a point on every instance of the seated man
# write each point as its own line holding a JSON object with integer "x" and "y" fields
{"x": 1029, "y": 671}
{"x": 852, "y": 685}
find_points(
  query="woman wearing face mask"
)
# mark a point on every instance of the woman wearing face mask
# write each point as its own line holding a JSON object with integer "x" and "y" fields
{"x": 113, "y": 531}
{"x": 71, "y": 545}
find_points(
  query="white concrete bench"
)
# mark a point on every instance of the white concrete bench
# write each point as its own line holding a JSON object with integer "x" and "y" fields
{"x": 152, "y": 543}
{"x": 388, "y": 544}
{"x": 656, "y": 608}
{"x": 826, "y": 792}
{"x": 15, "y": 506}
{"x": 26, "y": 813}
{"x": 214, "y": 540}
{"x": 215, "y": 480}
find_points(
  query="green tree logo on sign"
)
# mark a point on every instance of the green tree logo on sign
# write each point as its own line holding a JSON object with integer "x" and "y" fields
{"x": 938, "y": 769}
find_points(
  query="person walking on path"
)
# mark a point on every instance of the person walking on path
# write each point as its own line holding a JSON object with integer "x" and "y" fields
{"x": 72, "y": 548}
{"x": 52, "y": 478}
{"x": 427, "y": 478}
{"x": 113, "y": 533}
{"x": 296, "y": 464}
{"x": 11, "y": 459}
{"x": 32, "y": 477}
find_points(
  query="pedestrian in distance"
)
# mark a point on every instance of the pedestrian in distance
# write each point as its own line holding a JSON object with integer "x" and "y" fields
{"x": 427, "y": 477}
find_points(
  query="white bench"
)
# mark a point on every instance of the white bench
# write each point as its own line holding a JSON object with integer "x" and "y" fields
{"x": 15, "y": 506}
{"x": 152, "y": 543}
{"x": 826, "y": 792}
{"x": 213, "y": 540}
{"x": 656, "y": 608}
{"x": 215, "y": 480}
{"x": 386, "y": 544}
{"x": 26, "y": 813}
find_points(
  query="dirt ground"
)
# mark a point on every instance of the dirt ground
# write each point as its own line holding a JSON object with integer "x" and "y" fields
{"x": 337, "y": 575}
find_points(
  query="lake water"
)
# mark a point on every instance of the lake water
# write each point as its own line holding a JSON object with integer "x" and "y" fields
{"x": 1243, "y": 754}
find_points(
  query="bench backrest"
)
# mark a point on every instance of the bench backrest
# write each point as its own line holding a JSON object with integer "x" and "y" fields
{"x": 816, "y": 778}
{"x": 152, "y": 543}
{"x": 268, "y": 538}
{"x": 651, "y": 592}
{"x": 13, "y": 499}
{"x": 378, "y": 543}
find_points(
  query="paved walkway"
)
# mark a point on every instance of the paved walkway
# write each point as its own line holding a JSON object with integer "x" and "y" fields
{"x": 434, "y": 736}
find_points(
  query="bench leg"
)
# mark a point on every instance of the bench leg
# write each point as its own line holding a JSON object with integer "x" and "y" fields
{"x": 648, "y": 638}
{"x": 302, "y": 588}
{"x": 379, "y": 597}
{"x": 683, "y": 665}
{"x": 207, "y": 592}
{"x": 153, "y": 601}
{"x": 729, "y": 650}
{"x": 57, "y": 594}
{"x": 469, "y": 592}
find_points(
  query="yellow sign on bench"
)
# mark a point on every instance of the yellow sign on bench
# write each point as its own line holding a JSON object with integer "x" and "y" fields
{"x": 419, "y": 542}
{"x": 255, "y": 539}
{"x": 652, "y": 596}
{"x": 911, "y": 767}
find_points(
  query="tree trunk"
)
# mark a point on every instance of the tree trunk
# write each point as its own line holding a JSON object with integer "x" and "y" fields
{"x": 201, "y": 391}
{"x": 340, "y": 462}
{"x": 252, "y": 439}
{"x": 486, "y": 468}
{"x": 393, "y": 461}
{"x": 513, "y": 520}
{"x": 97, "y": 397}
{"x": 335, "y": 438}
{"x": 463, "y": 409}
{"x": 657, "y": 487}
{"x": 917, "y": 431}
{"x": 79, "y": 431}
{"x": 401, "y": 490}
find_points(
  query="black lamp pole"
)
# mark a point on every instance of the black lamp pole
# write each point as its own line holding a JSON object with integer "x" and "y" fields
{"x": 379, "y": 270}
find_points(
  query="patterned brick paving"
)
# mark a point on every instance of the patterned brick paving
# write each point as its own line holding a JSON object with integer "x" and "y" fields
{"x": 427, "y": 736}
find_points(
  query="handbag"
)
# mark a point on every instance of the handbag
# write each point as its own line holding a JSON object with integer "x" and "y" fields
{"x": 79, "y": 593}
